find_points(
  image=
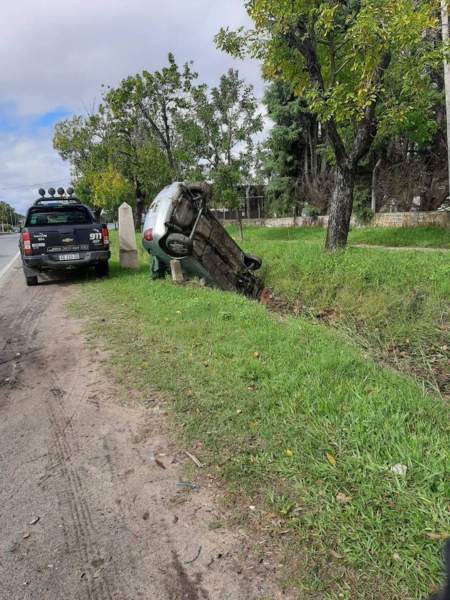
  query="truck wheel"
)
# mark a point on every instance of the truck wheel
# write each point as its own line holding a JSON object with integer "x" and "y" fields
{"x": 102, "y": 268}
{"x": 179, "y": 245}
{"x": 252, "y": 262}
{"x": 33, "y": 280}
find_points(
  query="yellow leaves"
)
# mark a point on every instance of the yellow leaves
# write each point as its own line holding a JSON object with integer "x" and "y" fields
{"x": 331, "y": 459}
{"x": 109, "y": 187}
{"x": 289, "y": 452}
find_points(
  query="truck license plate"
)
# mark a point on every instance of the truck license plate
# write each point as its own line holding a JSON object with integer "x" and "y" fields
{"x": 73, "y": 256}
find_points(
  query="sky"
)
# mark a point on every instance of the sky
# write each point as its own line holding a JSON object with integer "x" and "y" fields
{"x": 56, "y": 54}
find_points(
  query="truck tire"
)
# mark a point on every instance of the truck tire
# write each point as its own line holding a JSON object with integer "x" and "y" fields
{"x": 179, "y": 245}
{"x": 31, "y": 280}
{"x": 102, "y": 268}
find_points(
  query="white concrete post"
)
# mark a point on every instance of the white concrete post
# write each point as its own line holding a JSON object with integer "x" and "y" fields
{"x": 127, "y": 238}
{"x": 177, "y": 271}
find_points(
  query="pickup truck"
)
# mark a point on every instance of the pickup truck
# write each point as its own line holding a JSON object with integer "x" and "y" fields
{"x": 62, "y": 234}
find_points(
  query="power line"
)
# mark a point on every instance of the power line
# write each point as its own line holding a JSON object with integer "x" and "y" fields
{"x": 30, "y": 185}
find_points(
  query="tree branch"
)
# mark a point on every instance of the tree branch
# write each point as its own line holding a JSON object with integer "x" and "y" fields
{"x": 367, "y": 128}
{"x": 301, "y": 40}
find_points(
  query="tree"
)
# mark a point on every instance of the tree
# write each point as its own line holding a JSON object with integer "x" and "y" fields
{"x": 296, "y": 153}
{"x": 8, "y": 217}
{"x": 337, "y": 56}
{"x": 110, "y": 189}
{"x": 219, "y": 133}
{"x": 156, "y": 127}
{"x": 157, "y": 99}
{"x": 80, "y": 141}
{"x": 222, "y": 121}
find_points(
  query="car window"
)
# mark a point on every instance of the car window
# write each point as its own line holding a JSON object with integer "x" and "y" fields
{"x": 59, "y": 216}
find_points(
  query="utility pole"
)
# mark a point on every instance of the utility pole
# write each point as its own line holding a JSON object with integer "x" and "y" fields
{"x": 445, "y": 39}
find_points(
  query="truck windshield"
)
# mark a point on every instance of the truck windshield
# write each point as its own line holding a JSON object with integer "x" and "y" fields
{"x": 59, "y": 216}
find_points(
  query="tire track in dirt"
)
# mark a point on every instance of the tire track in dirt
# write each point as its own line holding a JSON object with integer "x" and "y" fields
{"x": 99, "y": 584}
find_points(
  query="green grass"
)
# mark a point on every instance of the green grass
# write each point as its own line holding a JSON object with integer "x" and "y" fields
{"x": 419, "y": 237}
{"x": 415, "y": 237}
{"x": 270, "y": 397}
{"x": 396, "y": 304}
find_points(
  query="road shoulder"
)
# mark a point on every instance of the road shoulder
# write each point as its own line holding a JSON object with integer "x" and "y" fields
{"x": 89, "y": 482}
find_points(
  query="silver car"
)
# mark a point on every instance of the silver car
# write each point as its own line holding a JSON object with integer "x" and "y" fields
{"x": 180, "y": 226}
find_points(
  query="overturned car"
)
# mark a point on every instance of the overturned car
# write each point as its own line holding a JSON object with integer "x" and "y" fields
{"x": 179, "y": 225}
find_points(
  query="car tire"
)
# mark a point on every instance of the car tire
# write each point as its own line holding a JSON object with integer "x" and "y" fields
{"x": 252, "y": 262}
{"x": 31, "y": 280}
{"x": 102, "y": 268}
{"x": 179, "y": 245}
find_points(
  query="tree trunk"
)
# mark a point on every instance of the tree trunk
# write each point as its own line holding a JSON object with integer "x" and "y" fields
{"x": 340, "y": 210}
{"x": 247, "y": 201}
{"x": 445, "y": 38}
{"x": 241, "y": 229}
{"x": 375, "y": 185}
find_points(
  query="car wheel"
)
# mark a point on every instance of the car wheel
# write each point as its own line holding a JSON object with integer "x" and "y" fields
{"x": 33, "y": 280}
{"x": 252, "y": 262}
{"x": 178, "y": 244}
{"x": 102, "y": 268}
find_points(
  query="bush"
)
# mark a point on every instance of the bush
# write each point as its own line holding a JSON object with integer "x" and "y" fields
{"x": 361, "y": 206}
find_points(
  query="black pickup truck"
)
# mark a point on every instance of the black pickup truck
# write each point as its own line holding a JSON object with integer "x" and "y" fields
{"x": 62, "y": 234}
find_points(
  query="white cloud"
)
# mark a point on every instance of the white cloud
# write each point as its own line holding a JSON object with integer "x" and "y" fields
{"x": 58, "y": 53}
{"x": 27, "y": 164}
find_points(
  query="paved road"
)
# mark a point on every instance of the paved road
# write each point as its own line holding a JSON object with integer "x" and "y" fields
{"x": 8, "y": 248}
{"x": 89, "y": 503}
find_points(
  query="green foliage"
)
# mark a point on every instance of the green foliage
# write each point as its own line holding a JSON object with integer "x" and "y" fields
{"x": 152, "y": 170}
{"x": 219, "y": 133}
{"x": 310, "y": 211}
{"x": 226, "y": 178}
{"x": 83, "y": 189}
{"x": 156, "y": 127}
{"x": 285, "y": 144}
{"x": 8, "y": 216}
{"x": 361, "y": 206}
{"x": 80, "y": 141}
{"x": 156, "y": 100}
{"x": 221, "y": 119}
{"x": 110, "y": 189}
{"x": 360, "y": 67}
{"x": 349, "y": 40}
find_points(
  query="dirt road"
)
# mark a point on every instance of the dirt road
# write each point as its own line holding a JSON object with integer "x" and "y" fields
{"x": 86, "y": 511}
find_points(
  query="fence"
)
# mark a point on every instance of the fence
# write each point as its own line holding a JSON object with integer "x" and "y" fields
{"x": 408, "y": 219}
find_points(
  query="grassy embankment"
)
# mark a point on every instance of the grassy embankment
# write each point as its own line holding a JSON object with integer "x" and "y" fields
{"x": 293, "y": 416}
{"x": 419, "y": 237}
{"x": 395, "y": 304}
